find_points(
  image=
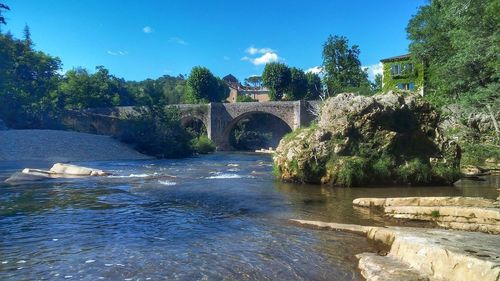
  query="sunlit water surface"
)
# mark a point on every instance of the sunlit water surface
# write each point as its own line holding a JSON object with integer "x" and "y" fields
{"x": 218, "y": 217}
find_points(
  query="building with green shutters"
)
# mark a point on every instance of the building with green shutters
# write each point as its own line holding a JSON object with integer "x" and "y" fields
{"x": 403, "y": 73}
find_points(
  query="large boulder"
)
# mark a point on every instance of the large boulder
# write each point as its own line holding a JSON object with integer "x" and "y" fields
{"x": 359, "y": 140}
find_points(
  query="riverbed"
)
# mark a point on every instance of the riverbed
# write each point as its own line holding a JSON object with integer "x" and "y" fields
{"x": 216, "y": 217}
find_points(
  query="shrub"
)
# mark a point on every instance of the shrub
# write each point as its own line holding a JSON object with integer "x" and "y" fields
{"x": 156, "y": 131}
{"x": 203, "y": 145}
{"x": 415, "y": 172}
{"x": 382, "y": 168}
{"x": 476, "y": 154}
{"x": 445, "y": 173}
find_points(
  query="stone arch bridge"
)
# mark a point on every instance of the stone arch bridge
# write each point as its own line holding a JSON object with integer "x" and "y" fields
{"x": 219, "y": 118}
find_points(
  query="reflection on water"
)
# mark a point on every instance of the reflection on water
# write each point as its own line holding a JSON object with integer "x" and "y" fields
{"x": 219, "y": 217}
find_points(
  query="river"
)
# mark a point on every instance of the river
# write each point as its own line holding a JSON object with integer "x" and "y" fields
{"x": 216, "y": 217}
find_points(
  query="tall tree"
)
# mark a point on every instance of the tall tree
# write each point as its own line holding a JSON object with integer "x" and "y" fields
{"x": 377, "y": 83}
{"x": 27, "y": 36}
{"x": 342, "y": 66}
{"x": 255, "y": 81}
{"x": 204, "y": 87}
{"x": 313, "y": 86}
{"x": 459, "y": 43}
{"x": 276, "y": 77}
{"x": 298, "y": 84}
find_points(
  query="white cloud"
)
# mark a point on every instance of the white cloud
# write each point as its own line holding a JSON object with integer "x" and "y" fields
{"x": 147, "y": 29}
{"x": 264, "y": 55}
{"x": 265, "y": 58}
{"x": 315, "y": 70}
{"x": 117, "y": 53}
{"x": 177, "y": 40}
{"x": 373, "y": 70}
{"x": 253, "y": 51}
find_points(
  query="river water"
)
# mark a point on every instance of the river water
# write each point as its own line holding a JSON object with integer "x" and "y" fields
{"x": 217, "y": 217}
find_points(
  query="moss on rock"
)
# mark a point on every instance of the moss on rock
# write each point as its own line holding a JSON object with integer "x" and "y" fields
{"x": 358, "y": 140}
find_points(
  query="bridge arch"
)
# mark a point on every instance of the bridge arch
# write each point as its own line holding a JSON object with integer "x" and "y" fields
{"x": 275, "y": 125}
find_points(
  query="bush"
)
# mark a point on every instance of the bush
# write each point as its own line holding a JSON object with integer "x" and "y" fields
{"x": 476, "y": 154}
{"x": 415, "y": 172}
{"x": 203, "y": 145}
{"x": 157, "y": 131}
{"x": 382, "y": 168}
{"x": 245, "y": 98}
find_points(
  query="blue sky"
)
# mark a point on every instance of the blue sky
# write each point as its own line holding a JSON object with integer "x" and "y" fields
{"x": 148, "y": 39}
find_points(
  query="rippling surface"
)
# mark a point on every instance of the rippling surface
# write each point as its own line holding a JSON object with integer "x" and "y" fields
{"x": 218, "y": 217}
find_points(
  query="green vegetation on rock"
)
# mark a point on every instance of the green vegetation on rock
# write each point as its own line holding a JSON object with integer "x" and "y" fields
{"x": 358, "y": 140}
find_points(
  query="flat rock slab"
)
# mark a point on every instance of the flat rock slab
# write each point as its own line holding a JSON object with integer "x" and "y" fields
{"x": 461, "y": 213}
{"x": 425, "y": 201}
{"x": 382, "y": 268}
{"x": 436, "y": 253}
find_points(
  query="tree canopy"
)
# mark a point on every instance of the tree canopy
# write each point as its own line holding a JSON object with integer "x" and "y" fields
{"x": 204, "y": 87}
{"x": 313, "y": 86}
{"x": 342, "y": 66}
{"x": 297, "y": 90}
{"x": 459, "y": 43}
{"x": 276, "y": 77}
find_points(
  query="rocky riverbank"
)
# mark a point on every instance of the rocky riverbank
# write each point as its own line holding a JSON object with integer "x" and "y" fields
{"x": 420, "y": 254}
{"x": 62, "y": 146}
{"x": 385, "y": 139}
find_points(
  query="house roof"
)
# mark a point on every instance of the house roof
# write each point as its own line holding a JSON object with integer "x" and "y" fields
{"x": 401, "y": 57}
{"x": 230, "y": 78}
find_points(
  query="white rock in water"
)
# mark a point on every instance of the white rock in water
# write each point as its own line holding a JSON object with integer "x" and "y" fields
{"x": 57, "y": 171}
{"x": 69, "y": 169}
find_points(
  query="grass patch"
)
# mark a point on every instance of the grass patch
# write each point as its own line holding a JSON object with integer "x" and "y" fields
{"x": 415, "y": 172}
{"x": 353, "y": 172}
{"x": 435, "y": 214}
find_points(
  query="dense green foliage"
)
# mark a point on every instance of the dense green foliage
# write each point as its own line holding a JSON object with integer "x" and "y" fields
{"x": 377, "y": 83}
{"x": 313, "y": 86}
{"x": 412, "y": 71}
{"x": 459, "y": 42}
{"x": 297, "y": 90}
{"x": 254, "y": 81}
{"x": 204, "y": 87}
{"x": 276, "y": 77}
{"x": 343, "y": 72}
{"x": 244, "y": 98}
{"x": 27, "y": 78}
{"x": 156, "y": 131}
{"x": 203, "y": 145}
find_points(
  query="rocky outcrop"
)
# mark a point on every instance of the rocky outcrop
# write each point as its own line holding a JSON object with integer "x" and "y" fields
{"x": 462, "y": 213}
{"x": 58, "y": 170}
{"x": 426, "y": 254}
{"x": 359, "y": 140}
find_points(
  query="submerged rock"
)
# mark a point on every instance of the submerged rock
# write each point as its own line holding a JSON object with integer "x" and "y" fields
{"x": 58, "y": 170}
{"x": 359, "y": 140}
